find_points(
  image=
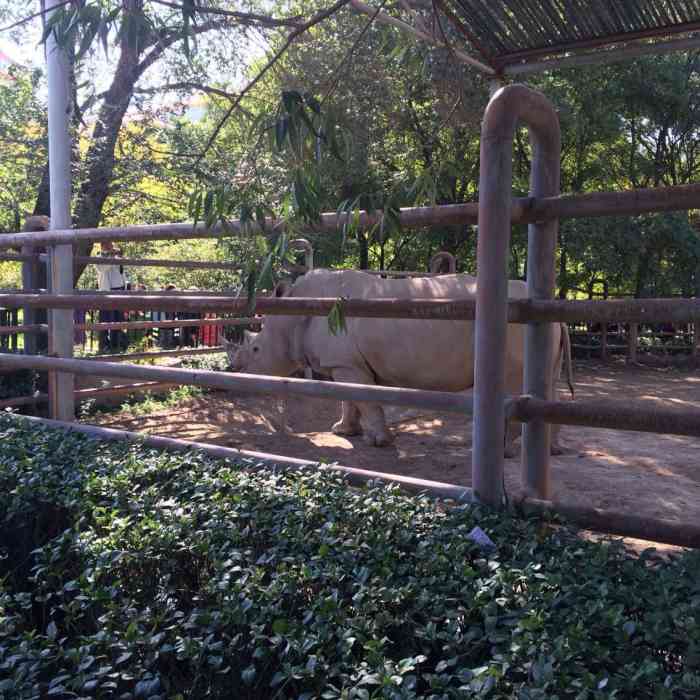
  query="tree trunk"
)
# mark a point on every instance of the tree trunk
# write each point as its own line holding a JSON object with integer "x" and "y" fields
{"x": 100, "y": 160}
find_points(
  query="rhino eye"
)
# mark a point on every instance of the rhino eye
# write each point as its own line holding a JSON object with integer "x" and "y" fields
{"x": 256, "y": 349}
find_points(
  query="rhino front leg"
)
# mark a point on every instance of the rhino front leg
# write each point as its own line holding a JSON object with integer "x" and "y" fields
{"x": 349, "y": 423}
{"x": 371, "y": 416}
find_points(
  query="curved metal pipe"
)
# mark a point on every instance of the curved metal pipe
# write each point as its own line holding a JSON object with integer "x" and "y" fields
{"x": 436, "y": 263}
{"x": 303, "y": 245}
{"x": 507, "y": 107}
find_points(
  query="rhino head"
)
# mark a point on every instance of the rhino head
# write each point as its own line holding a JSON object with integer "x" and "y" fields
{"x": 240, "y": 354}
{"x": 276, "y": 350}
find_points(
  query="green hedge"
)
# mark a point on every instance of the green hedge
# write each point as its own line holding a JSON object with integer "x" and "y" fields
{"x": 131, "y": 573}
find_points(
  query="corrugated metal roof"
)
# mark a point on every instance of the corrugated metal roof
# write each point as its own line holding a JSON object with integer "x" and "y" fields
{"x": 510, "y": 31}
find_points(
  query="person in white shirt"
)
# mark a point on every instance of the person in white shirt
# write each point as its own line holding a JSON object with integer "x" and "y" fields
{"x": 111, "y": 278}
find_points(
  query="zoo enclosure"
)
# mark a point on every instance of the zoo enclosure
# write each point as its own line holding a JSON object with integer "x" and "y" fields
{"x": 495, "y": 212}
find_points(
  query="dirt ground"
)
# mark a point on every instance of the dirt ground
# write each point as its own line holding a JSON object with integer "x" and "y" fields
{"x": 641, "y": 473}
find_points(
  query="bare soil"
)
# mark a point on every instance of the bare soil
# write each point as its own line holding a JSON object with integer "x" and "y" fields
{"x": 641, "y": 473}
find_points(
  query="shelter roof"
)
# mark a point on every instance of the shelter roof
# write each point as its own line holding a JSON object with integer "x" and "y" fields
{"x": 522, "y": 36}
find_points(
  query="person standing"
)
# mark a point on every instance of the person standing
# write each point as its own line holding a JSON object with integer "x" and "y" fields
{"x": 110, "y": 278}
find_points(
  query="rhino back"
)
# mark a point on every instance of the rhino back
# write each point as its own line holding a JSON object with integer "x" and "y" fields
{"x": 416, "y": 353}
{"x": 422, "y": 354}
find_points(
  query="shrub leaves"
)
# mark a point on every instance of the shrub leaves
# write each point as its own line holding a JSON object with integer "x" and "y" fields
{"x": 130, "y": 573}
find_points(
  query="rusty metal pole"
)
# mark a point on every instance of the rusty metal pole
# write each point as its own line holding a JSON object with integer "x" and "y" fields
{"x": 508, "y": 106}
{"x": 541, "y": 274}
{"x": 61, "y": 334}
{"x": 436, "y": 263}
{"x": 303, "y": 245}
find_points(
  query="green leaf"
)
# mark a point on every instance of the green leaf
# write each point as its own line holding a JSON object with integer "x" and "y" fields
{"x": 248, "y": 675}
{"x": 336, "y": 317}
{"x": 280, "y": 627}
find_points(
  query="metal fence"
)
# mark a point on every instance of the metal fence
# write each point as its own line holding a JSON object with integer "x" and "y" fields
{"x": 491, "y": 311}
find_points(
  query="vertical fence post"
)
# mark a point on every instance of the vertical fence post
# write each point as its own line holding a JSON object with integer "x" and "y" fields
{"x": 539, "y": 350}
{"x": 632, "y": 338}
{"x": 696, "y": 338}
{"x": 61, "y": 334}
{"x": 505, "y": 109}
{"x": 30, "y": 277}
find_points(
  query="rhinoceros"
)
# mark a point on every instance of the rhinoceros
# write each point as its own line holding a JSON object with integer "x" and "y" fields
{"x": 419, "y": 354}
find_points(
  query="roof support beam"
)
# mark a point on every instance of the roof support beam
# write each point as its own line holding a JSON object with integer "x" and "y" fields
{"x": 604, "y": 56}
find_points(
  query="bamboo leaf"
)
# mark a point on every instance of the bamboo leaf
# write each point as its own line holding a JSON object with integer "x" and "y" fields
{"x": 336, "y": 317}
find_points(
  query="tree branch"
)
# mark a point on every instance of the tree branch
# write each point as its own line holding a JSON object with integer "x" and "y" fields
{"x": 208, "y": 89}
{"x": 191, "y": 85}
{"x": 165, "y": 42}
{"x": 318, "y": 17}
{"x": 351, "y": 51}
{"x": 244, "y": 17}
{"x": 29, "y": 18}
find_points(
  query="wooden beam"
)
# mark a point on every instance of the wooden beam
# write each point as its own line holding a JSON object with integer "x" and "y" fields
{"x": 92, "y": 393}
{"x": 603, "y": 56}
{"x": 251, "y": 383}
{"x": 181, "y": 323}
{"x": 156, "y": 354}
{"x": 258, "y": 460}
{"x": 519, "y": 310}
{"x": 523, "y": 210}
{"x": 134, "y": 325}
{"x": 147, "y": 262}
{"x": 610, "y": 413}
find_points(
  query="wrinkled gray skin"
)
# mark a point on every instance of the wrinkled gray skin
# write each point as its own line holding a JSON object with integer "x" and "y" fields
{"x": 422, "y": 354}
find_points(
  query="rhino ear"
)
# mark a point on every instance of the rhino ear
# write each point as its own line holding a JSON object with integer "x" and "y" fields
{"x": 282, "y": 289}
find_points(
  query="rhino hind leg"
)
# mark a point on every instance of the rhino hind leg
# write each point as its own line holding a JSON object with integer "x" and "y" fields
{"x": 512, "y": 434}
{"x": 349, "y": 423}
{"x": 371, "y": 416}
{"x": 555, "y": 447}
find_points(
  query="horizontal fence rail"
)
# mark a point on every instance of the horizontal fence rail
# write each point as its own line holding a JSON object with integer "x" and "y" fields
{"x": 134, "y": 325}
{"x": 173, "y": 293}
{"x": 354, "y": 476}
{"x": 145, "y": 262}
{"x": 622, "y": 524}
{"x": 601, "y": 413}
{"x": 24, "y": 328}
{"x": 179, "y": 323}
{"x": 250, "y": 383}
{"x": 92, "y": 393}
{"x": 523, "y": 210}
{"x": 519, "y": 310}
{"x": 611, "y": 414}
{"x": 157, "y": 354}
